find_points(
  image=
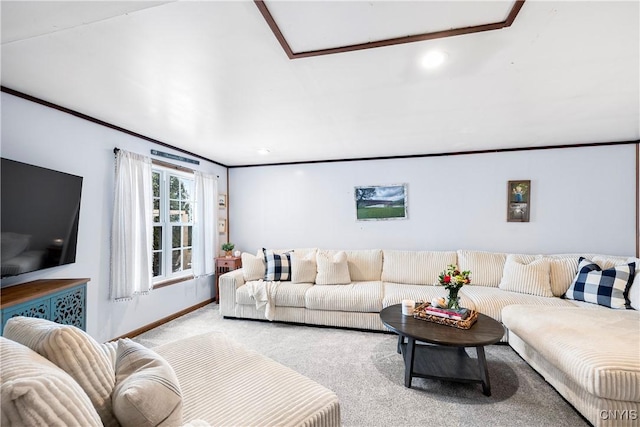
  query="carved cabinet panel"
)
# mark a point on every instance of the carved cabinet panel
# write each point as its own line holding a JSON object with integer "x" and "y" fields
{"x": 68, "y": 308}
{"x": 63, "y": 301}
{"x": 39, "y": 308}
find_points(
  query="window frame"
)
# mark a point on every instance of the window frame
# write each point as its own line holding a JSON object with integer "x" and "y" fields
{"x": 167, "y": 276}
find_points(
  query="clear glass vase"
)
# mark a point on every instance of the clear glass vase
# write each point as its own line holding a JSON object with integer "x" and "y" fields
{"x": 454, "y": 300}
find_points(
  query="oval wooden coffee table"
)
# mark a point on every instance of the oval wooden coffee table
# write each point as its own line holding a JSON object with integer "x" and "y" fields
{"x": 443, "y": 357}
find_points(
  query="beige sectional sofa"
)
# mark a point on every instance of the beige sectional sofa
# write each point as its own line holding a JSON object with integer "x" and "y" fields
{"x": 525, "y": 292}
{"x": 58, "y": 375}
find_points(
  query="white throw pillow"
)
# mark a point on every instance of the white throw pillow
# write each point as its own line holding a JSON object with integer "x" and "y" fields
{"x": 147, "y": 393}
{"x": 73, "y": 350}
{"x": 303, "y": 268}
{"x": 253, "y": 266}
{"x": 563, "y": 269}
{"x": 527, "y": 274}
{"x": 332, "y": 269}
{"x": 37, "y": 392}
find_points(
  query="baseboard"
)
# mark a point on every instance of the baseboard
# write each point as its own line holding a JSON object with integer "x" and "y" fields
{"x": 164, "y": 320}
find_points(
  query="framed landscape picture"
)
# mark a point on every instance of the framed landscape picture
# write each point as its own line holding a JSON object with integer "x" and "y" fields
{"x": 519, "y": 201}
{"x": 380, "y": 202}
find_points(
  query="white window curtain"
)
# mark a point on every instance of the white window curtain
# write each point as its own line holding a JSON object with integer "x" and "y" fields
{"x": 131, "y": 231}
{"x": 205, "y": 224}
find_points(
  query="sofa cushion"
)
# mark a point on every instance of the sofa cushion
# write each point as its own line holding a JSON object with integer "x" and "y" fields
{"x": 303, "y": 267}
{"x": 37, "y": 392}
{"x": 607, "y": 366}
{"x": 357, "y": 296}
{"x": 288, "y": 294}
{"x": 415, "y": 267}
{"x": 110, "y": 348}
{"x": 147, "y": 392}
{"x": 606, "y": 262}
{"x": 73, "y": 350}
{"x": 491, "y": 301}
{"x": 332, "y": 268}
{"x": 278, "y": 266}
{"x": 227, "y": 384}
{"x": 242, "y": 295}
{"x": 291, "y": 294}
{"x": 486, "y": 267}
{"x": 365, "y": 265}
{"x": 607, "y": 287}
{"x": 527, "y": 274}
{"x": 253, "y": 266}
{"x": 394, "y": 293}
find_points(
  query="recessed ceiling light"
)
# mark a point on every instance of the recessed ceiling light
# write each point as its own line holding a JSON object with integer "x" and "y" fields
{"x": 263, "y": 151}
{"x": 434, "y": 59}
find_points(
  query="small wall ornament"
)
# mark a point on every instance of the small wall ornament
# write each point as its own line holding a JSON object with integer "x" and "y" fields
{"x": 519, "y": 201}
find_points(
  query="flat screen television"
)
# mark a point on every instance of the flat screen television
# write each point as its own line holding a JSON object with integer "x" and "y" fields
{"x": 39, "y": 211}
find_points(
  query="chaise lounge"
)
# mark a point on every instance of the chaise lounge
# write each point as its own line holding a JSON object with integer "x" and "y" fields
{"x": 58, "y": 375}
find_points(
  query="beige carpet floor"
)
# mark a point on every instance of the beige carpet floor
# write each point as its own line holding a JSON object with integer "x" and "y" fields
{"x": 366, "y": 372}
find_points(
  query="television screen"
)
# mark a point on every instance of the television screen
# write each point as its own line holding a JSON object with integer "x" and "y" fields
{"x": 39, "y": 209}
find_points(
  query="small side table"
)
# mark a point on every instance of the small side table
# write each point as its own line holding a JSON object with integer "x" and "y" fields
{"x": 224, "y": 265}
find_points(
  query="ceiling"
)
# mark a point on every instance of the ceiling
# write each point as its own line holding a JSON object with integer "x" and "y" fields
{"x": 210, "y": 77}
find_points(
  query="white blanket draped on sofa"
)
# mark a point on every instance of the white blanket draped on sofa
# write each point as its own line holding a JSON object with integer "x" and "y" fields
{"x": 264, "y": 294}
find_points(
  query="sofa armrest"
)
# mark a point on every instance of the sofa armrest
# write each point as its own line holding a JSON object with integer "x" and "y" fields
{"x": 228, "y": 283}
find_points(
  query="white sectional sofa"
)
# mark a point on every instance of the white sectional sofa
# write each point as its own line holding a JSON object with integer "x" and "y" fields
{"x": 525, "y": 292}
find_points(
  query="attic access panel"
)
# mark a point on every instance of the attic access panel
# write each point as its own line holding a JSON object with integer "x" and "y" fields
{"x": 313, "y": 28}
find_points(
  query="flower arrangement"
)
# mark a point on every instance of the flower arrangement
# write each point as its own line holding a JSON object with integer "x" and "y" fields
{"x": 453, "y": 279}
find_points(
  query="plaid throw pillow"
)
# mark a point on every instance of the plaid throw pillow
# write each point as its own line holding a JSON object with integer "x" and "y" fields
{"x": 278, "y": 265}
{"x": 609, "y": 288}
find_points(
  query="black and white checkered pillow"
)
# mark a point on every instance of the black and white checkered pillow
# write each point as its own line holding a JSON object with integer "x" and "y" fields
{"x": 609, "y": 288}
{"x": 278, "y": 265}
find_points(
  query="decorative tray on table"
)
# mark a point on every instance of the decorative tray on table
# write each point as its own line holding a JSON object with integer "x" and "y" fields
{"x": 464, "y": 322}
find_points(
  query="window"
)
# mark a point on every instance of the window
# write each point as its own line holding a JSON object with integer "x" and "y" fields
{"x": 172, "y": 223}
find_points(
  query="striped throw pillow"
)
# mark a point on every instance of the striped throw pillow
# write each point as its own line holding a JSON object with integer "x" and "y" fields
{"x": 253, "y": 266}
{"x": 527, "y": 274}
{"x": 37, "y": 392}
{"x": 303, "y": 268}
{"x": 75, "y": 352}
{"x": 332, "y": 269}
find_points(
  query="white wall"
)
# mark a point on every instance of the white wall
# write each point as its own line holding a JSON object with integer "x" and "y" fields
{"x": 42, "y": 136}
{"x": 583, "y": 200}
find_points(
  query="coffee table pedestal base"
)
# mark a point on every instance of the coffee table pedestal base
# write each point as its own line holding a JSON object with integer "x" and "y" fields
{"x": 443, "y": 363}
